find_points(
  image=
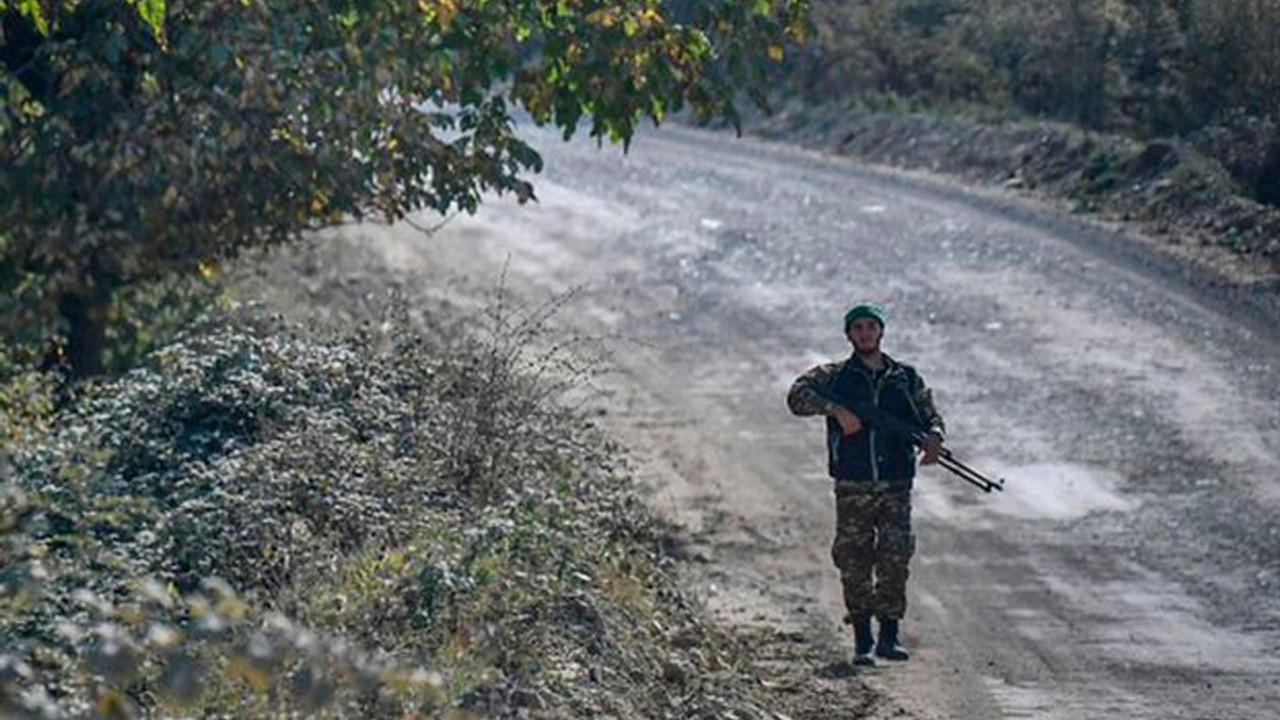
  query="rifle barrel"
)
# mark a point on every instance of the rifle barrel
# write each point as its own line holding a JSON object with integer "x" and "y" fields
{"x": 968, "y": 474}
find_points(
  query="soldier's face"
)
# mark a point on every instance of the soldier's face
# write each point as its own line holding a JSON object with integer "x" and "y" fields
{"x": 865, "y": 335}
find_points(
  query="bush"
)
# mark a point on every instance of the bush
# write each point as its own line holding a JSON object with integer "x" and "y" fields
{"x": 258, "y": 522}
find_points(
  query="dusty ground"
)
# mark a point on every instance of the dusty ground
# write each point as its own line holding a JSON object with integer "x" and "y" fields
{"x": 1130, "y": 569}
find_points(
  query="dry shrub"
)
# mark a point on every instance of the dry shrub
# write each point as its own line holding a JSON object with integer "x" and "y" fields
{"x": 261, "y": 522}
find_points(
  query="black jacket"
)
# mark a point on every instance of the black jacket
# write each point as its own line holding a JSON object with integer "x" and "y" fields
{"x": 870, "y": 454}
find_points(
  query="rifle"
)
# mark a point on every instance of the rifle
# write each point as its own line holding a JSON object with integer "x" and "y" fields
{"x": 877, "y": 419}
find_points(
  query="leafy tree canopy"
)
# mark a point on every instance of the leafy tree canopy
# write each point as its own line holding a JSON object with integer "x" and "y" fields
{"x": 140, "y": 137}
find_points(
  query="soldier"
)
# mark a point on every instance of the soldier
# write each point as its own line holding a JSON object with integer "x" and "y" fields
{"x": 873, "y": 473}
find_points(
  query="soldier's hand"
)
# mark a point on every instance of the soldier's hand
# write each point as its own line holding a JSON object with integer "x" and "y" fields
{"x": 932, "y": 448}
{"x": 849, "y": 423}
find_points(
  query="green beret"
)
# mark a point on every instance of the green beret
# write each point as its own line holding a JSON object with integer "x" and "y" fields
{"x": 864, "y": 310}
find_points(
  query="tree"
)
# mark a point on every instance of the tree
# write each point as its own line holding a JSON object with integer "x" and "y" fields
{"x": 140, "y": 137}
{"x": 1153, "y": 63}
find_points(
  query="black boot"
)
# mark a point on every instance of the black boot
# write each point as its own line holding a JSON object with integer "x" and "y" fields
{"x": 863, "y": 642}
{"x": 887, "y": 647}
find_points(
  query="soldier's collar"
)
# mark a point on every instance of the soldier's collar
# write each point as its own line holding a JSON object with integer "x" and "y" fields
{"x": 891, "y": 366}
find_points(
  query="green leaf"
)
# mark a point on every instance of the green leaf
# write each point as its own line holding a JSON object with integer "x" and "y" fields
{"x": 32, "y": 10}
{"x": 152, "y": 13}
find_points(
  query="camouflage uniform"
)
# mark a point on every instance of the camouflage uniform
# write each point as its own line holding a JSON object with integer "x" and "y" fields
{"x": 873, "y": 532}
{"x": 873, "y": 478}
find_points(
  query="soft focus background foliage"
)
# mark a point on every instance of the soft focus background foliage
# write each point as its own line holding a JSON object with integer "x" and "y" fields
{"x": 1208, "y": 70}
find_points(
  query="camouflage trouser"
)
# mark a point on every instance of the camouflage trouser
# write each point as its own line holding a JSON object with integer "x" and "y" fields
{"x": 873, "y": 533}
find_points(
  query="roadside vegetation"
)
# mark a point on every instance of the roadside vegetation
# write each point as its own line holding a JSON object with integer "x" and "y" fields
{"x": 329, "y": 504}
{"x": 264, "y": 519}
{"x": 1162, "y": 111}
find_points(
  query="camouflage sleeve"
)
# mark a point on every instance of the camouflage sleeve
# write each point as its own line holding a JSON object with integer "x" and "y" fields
{"x": 806, "y": 395}
{"x": 922, "y": 398}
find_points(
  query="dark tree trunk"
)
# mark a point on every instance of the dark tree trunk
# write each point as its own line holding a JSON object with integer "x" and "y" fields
{"x": 1267, "y": 186}
{"x": 85, "y": 310}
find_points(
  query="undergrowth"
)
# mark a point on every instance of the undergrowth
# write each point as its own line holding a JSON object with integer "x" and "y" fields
{"x": 261, "y": 521}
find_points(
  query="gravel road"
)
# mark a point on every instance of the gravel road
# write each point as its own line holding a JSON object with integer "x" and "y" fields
{"x": 1132, "y": 567}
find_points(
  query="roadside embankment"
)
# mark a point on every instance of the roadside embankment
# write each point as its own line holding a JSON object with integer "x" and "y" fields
{"x": 1172, "y": 192}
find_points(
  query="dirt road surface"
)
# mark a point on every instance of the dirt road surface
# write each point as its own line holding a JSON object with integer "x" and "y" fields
{"x": 1132, "y": 567}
